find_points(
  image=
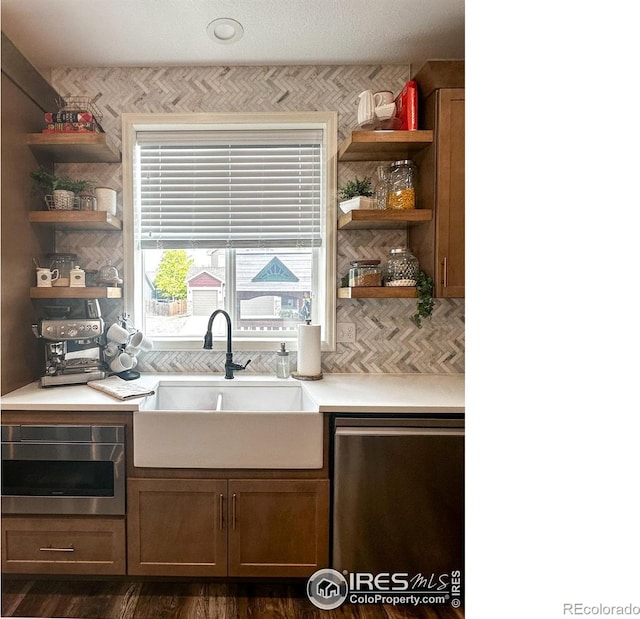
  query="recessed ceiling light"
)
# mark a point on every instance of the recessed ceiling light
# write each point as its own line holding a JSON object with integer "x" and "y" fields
{"x": 225, "y": 30}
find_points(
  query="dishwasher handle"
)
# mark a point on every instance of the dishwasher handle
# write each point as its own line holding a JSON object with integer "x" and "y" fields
{"x": 398, "y": 431}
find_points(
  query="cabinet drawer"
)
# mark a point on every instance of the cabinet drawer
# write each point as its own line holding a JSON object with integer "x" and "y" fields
{"x": 56, "y": 545}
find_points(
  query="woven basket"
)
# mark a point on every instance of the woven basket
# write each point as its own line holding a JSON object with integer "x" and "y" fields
{"x": 62, "y": 200}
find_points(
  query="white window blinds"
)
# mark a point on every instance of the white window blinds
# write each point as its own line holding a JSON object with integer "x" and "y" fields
{"x": 229, "y": 188}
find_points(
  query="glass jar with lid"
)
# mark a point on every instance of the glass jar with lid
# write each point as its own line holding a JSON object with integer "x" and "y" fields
{"x": 63, "y": 263}
{"x": 108, "y": 275}
{"x": 401, "y": 194}
{"x": 402, "y": 268}
{"x": 365, "y": 273}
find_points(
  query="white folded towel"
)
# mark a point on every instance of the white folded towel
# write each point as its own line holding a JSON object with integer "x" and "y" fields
{"x": 119, "y": 388}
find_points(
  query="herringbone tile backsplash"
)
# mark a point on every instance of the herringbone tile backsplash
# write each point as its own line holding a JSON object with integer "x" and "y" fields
{"x": 387, "y": 340}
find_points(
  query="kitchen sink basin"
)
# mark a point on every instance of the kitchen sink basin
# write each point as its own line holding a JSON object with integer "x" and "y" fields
{"x": 241, "y": 396}
{"x": 221, "y": 424}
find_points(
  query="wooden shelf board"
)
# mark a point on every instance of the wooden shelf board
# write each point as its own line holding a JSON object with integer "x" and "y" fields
{"x": 378, "y": 292}
{"x": 384, "y": 145}
{"x": 66, "y": 292}
{"x": 74, "y": 147}
{"x": 76, "y": 220}
{"x": 361, "y": 219}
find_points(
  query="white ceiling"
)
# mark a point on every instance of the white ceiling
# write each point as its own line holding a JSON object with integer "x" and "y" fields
{"x": 54, "y": 33}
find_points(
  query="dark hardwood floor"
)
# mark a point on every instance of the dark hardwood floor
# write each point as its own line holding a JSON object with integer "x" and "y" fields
{"x": 124, "y": 599}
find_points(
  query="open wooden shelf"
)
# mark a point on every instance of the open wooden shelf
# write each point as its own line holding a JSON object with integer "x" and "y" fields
{"x": 76, "y": 220}
{"x": 67, "y": 292}
{"x": 378, "y": 292}
{"x": 361, "y": 219}
{"x": 74, "y": 147}
{"x": 384, "y": 145}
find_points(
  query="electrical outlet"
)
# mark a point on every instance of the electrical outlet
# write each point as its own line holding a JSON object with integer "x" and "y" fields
{"x": 346, "y": 332}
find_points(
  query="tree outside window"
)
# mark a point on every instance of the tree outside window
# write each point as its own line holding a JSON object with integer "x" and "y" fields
{"x": 170, "y": 280}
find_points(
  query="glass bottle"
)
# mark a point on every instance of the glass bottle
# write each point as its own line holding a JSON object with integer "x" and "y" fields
{"x": 401, "y": 185}
{"x": 401, "y": 269}
{"x": 382, "y": 188}
{"x": 283, "y": 369}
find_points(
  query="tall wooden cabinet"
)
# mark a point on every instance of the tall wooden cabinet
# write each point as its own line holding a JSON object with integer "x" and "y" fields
{"x": 439, "y": 243}
{"x": 25, "y": 97}
{"x": 436, "y": 229}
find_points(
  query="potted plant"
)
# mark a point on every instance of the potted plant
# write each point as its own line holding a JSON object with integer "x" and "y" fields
{"x": 63, "y": 189}
{"x": 356, "y": 194}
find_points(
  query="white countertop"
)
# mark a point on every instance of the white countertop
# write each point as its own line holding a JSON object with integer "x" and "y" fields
{"x": 388, "y": 393}
{"x": 350, "y": 393}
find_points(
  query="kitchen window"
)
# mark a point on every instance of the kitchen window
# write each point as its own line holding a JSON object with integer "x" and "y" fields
{"x": 231, "y": 211}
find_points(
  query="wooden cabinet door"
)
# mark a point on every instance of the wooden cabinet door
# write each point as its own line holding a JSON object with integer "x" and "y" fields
{"x": 278, "y": 527}
{"x": 63, "y": 545}
{"x": 449, "y": 195}
{"x": 177, "y": 527}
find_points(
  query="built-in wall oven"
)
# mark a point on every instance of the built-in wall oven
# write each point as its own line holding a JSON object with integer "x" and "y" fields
{"x": 63, "y": 469}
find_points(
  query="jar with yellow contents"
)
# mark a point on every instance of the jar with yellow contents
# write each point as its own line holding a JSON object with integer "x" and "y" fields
{"x": 401, "y": 194}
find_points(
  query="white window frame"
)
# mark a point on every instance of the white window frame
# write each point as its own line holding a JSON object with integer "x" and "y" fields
{"x": 325, "y": 271}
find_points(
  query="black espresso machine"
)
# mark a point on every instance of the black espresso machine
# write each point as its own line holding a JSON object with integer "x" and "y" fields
{"x": 72, "y": 347}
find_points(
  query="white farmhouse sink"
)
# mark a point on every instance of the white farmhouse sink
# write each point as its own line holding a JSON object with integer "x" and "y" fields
{"x": 226, "y": 424}
{"x": 229, "y": 396}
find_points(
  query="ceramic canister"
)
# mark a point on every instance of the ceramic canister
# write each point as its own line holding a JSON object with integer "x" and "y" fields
{"x": 106, "y": 198}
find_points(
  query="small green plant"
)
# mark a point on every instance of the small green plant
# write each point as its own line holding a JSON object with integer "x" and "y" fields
{"x": 424, "y": 307}
{"x": 78, "y": 185}
{"x": 351, "y": 189}
{"x": 47, "y": 181}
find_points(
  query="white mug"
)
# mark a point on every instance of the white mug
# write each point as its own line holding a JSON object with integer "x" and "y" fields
{"x": 121, "y": 363}
{"x": 117, "y": 334}
{"x": 386, "y": 111}
{"x": 140, "y": 342}
{"x": 382, "y": 97}
{"x": 46, "y": 277}
{"x": 111, "y": 349}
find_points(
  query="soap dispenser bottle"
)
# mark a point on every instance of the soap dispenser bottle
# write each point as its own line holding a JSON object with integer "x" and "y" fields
{"x": 282, "y": 362}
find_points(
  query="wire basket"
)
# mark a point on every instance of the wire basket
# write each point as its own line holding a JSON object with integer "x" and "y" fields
{"x": 62, "y": 203}
{"x": 79, "y": 103}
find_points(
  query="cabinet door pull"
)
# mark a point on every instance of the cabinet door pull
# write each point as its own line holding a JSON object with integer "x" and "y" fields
{"x": 445, "y": 276}
{"x": 221, "y": 512}
{"x": 52, "y": 549}
{"x": 233, "y": 511}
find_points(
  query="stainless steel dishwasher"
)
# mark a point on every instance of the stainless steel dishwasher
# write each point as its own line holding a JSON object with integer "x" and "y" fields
{"x": 398, "y": 494}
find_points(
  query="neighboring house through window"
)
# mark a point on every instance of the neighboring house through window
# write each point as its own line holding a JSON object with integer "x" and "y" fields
{"x": 231, "y": 211}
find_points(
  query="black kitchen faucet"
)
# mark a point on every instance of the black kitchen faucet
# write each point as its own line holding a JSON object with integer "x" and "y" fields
{"x": 229, "y": 365}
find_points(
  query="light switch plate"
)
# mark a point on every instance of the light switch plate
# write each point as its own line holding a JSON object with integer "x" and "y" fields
{"x": 346, "y": 332}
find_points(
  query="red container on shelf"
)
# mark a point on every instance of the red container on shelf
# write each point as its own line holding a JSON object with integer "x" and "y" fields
{"x": 407, "y": 107}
